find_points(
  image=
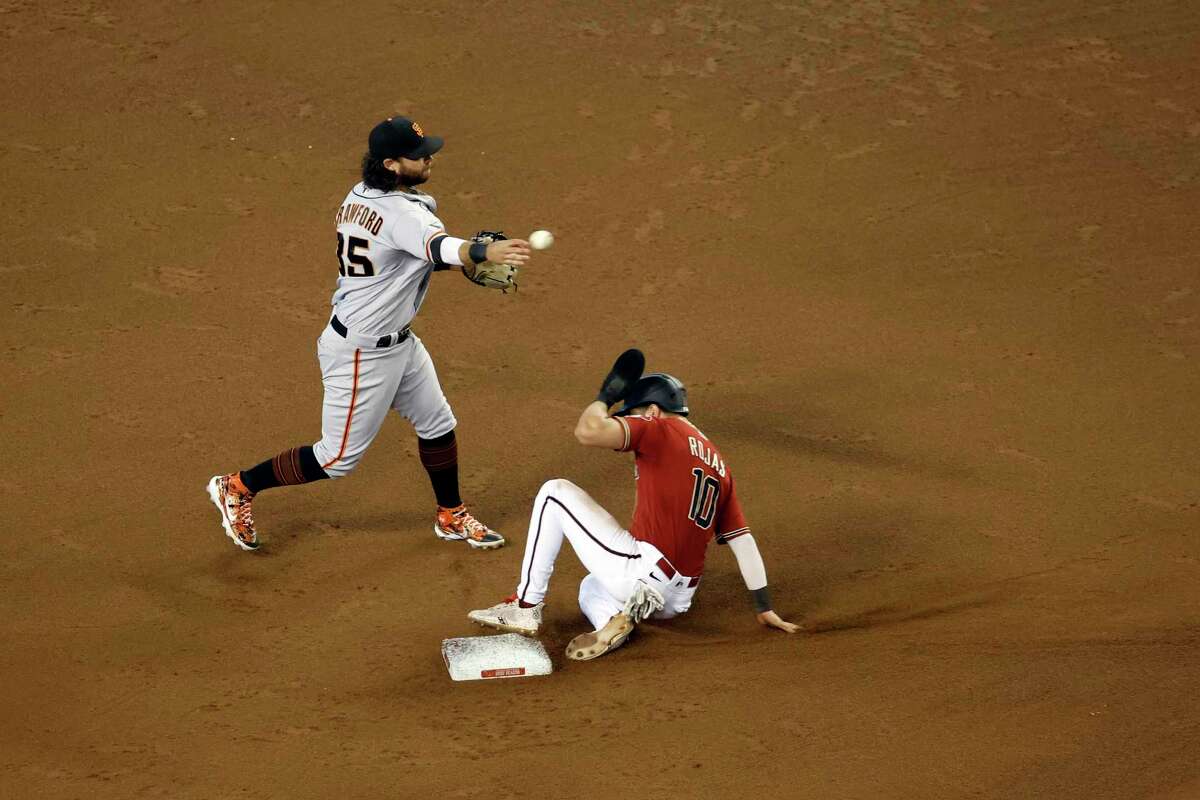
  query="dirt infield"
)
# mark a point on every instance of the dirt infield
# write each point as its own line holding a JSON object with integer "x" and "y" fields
{"x": 929, "y": 269}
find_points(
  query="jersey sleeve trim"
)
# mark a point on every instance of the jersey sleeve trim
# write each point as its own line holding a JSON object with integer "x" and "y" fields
{"x": 625, "y": 427}
{"x": 433, "y": 247}
{"x": 725, "y": 538}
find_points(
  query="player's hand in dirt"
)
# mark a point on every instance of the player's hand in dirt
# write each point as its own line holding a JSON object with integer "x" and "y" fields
{"x": 514, "y": 252}
{"x": 772, "y": 620}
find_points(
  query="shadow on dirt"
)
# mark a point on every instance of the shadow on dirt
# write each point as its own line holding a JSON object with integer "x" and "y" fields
{"x": 889, "y": 615}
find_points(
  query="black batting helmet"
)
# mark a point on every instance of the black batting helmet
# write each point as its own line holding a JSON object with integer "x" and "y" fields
{"x": 665, "y": 391}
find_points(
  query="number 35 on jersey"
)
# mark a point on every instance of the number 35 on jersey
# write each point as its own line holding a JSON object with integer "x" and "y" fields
{"x": 353, "y": 261}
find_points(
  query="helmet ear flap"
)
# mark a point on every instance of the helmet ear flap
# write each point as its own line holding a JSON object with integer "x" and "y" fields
{"x": 679, "y": 395}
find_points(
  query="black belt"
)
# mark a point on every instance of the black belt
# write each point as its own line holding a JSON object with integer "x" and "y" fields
{"x": 384, "y": 341}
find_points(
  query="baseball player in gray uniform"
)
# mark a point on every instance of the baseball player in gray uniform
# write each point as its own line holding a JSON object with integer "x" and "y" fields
{"x": 390, "y": 242}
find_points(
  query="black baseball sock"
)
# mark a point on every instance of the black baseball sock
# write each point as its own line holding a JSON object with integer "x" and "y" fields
{"x": 440, "y": 459}
{"x": 289, "y": 468}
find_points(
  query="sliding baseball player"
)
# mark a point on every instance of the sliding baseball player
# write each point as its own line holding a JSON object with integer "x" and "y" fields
{"x": 685, "y": 497}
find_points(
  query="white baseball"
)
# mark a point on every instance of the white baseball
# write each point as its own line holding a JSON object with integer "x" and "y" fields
{"x": 540, "y": 240}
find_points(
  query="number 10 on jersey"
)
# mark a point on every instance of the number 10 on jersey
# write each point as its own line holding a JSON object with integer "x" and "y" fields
{"x": 706, "y": 490}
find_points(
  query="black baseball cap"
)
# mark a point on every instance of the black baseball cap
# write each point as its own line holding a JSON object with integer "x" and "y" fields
{"x": 400, "y": 137}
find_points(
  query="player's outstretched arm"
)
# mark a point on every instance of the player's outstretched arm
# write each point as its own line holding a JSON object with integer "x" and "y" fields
{"x": 514, "y": 252}
{"x": 446, "y": 251}
{"x": 754, "y": 573}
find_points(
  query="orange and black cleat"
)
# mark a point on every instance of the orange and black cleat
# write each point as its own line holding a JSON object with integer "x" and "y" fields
{"x": 236, "y": 514}
{"x": 457, "y": 524}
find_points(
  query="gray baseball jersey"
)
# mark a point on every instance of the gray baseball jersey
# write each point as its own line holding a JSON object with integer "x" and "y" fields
{"x": 384, "y": 260}
{"x": 384, "y": 266}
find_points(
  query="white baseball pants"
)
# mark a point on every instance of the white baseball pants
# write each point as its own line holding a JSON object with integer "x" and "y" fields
{"x": 614, "y": 559}
{"x": 362, "y": 385}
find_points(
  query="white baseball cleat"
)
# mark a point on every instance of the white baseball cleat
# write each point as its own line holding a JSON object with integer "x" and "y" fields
{"x": 587, "y": 646}
{"x": 509, "y": 616}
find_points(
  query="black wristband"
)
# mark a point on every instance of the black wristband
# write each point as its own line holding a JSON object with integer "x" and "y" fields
{"x": 762, "y": 599}
{"x": 478, "y": 252}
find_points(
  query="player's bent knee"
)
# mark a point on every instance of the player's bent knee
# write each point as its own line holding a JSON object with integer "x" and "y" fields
{"x": 558, "y": 487}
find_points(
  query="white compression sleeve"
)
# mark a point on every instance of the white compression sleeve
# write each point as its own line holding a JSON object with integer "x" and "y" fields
{"x": 749, "y": 560}
{"x": 449, "y": 246}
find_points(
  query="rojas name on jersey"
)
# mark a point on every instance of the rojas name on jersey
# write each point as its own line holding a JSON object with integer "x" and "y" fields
{"x": 710, "y": 457}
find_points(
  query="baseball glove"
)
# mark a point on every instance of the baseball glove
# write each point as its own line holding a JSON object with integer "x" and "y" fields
{"x": 624, "y": 374}
{"x": 489, "y": 273}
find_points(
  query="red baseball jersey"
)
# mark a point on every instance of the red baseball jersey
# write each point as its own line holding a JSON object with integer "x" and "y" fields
{"x": 685, "y": 491}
